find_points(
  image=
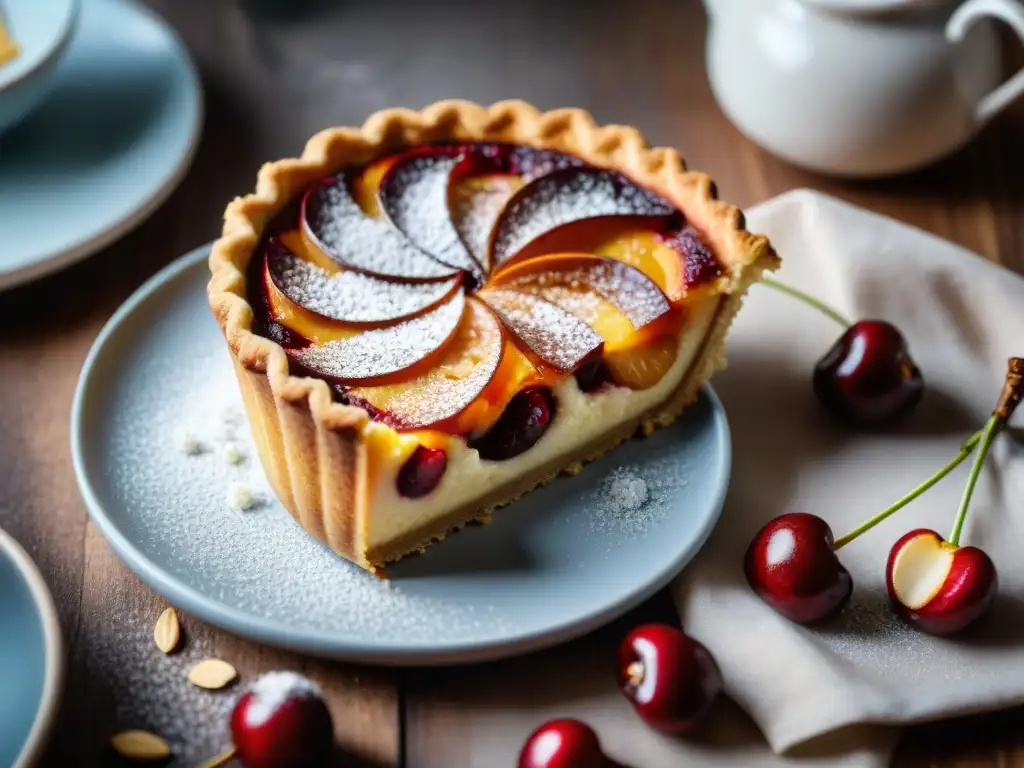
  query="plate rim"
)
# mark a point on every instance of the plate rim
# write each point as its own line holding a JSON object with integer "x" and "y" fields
{"x": 323, "y": 644}
{"x": 53, "y": 643}
{"x": 60, "y": 259}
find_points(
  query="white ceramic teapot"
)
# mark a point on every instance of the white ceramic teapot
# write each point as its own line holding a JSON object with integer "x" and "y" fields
{"x": 860, "y": 87}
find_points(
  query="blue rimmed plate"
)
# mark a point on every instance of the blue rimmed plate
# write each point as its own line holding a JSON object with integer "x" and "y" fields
{"x": 31, "y": 657}
{"x": 111, "y": 141}
{"x": 559, "y": 562}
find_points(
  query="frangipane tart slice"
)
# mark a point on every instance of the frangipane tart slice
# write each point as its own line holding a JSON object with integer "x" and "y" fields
{"x": 468, "y": 301}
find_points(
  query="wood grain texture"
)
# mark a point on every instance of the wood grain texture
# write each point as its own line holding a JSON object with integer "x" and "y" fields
{"x": 271, "y": 81}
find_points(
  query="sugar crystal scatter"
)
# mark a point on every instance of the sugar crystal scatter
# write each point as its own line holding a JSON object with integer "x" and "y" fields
{"x": 632, "y": 502}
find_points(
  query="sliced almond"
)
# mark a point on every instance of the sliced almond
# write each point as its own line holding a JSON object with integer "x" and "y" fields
{"x": 140, "y": 745}
{"x": 167, "y": 631}
{"x": 220, "y": 760}
{"x": 212, "y": 674}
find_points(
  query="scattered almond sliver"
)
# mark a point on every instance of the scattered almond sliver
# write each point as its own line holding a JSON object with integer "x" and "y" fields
{"x": 167, "y": 631}
{"x": 140, "y": 745}
{"x": 222, "y": 759}
{"x": 212, "y": 674}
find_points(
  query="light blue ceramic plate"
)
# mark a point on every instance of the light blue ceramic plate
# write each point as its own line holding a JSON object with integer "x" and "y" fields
{"x": 556, "y": 564}
{"x": 107, "y": 146}
{"x": 31, "y": 658}
{"x": 41, "y": 30}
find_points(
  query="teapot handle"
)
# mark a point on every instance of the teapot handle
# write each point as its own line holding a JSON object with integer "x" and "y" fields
{"x": 956, "y": 29}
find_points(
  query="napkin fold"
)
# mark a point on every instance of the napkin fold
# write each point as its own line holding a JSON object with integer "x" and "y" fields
{"x": 963, "y": 317}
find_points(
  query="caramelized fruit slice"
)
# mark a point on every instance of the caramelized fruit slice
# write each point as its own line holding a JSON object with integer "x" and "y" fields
{"x": 349, "y": 296}
{"x": 365, "y": 185}
{"x": 699, "y": 263}
{"x": 414, "y": 194}
{"x": 565, "y": 196}
{"x": 557, "y": 337}
{"x": 454, "y": 382}
{"x": 643, "y": 366}
{"x": 630, "y": 290}
{"x": 335, "y": 223}
{"x": 379, "y": 353}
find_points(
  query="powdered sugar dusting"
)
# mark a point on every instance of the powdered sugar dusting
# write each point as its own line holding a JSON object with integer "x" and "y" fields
{"x": 451, "y": 385}
{"x": 476, "y": 203}
{"x": 272, "y": 689}
{"x": 354, "y": 239}
{"x": 625, "y": 286}
{"x": 553, "y": 334}
{"x": 415, "y": 195}
{"x": 633, "y": 500}
{"x": 259, "y": 562}
{"x": 347, "y": 295}
{"x": 383, "y": 351}
{"x": 566, "y": 196}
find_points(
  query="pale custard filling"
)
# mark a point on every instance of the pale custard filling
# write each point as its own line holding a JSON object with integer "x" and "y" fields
{"x": 580, "y": 418}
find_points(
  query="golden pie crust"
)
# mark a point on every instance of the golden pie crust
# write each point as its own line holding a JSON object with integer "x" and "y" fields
{"x": 311, "y": 447}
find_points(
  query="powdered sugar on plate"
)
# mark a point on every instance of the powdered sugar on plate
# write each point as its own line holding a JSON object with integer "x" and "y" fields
{"x": 186, "y": 510}
{"x": 633, "y": 500}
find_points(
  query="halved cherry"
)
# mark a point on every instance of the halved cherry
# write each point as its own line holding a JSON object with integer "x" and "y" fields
{"x": 565, "y": 196}
{"x": 557, "y": 337}
{"x": 414, "y": 195}
{"x": 454, "y": 382}
{"x": 373, "y": 356}
{"x": 333, "y": 222}
{"x": 346, "y": 295}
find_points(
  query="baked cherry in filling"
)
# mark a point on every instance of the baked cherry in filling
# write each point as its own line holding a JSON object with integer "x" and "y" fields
{"x": 451, "y": 287}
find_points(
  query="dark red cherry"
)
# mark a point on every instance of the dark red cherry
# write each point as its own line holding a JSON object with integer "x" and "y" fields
{"x": 791, "y": 565}
{"x": 564, "y": 743}
{"x": 867, "y": 378}
{"x": 281, "y": 722}
{"x": 422, "y": 472}
{"x": 671, "y": 679}
{"x": 592, "y": 375}
{"x": 524, "y": 421}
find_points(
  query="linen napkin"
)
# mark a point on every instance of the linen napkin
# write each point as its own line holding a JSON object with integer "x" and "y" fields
{"x": 963, "y": 317}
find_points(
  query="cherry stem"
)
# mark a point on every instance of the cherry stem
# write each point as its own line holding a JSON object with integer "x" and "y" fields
{"x": 807, "y": 299}
{"x": 1013, "y": 389}
{"x": 965, "y": 450}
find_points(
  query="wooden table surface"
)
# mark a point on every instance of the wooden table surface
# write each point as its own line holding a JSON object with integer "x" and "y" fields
{"x": 271, "y": 83}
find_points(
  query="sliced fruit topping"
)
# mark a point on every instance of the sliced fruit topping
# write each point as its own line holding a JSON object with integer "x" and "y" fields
{"x": 565, "y": 196}
{"x": 448, "y": 387}
{"x": 517, "y": 160}
{"x": 422, "y": 472}
{"x": 381, "y": 352}
{"x": 414, "y": 194}
{"x": 699, "y": 263}
{"x": 365, "y": 185}
{"x": 524, "y": 421}
{"x": 347, "y": 295}
{"x": 336, "y": 224}
{"x": 475, "y": 203}
{"x": 643, "y": 366}
{"x": 557, "y": 337}
{"x": 629, "y": 289}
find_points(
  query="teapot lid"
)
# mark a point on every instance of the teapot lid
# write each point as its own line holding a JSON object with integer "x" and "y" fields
{"x": 872, "y": 6}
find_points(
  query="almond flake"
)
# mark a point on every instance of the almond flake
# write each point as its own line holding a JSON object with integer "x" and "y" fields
{"x": 222, "y": 759}
{"x": 140, "y": 745}
{"x": 212, "y": 674}
{"x": 167, "y": 631}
